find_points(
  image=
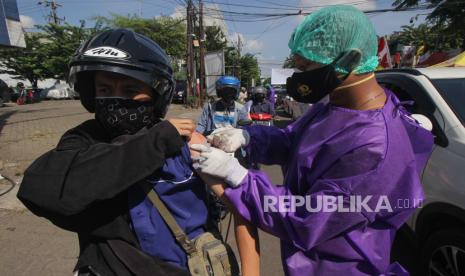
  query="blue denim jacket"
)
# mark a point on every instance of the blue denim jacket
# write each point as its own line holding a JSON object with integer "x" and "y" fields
{"x": 207, "y": 124}
{"x": 184, "y": 194}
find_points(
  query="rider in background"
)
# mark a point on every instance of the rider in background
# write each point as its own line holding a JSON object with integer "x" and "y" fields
{"x": 271, "y": 94}
{"x": 259, "y": 102}
{"x": 225, "y": 111}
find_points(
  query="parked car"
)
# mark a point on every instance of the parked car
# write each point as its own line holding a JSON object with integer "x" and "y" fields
{"x": 437, "y": 230}
{"x": 180, "y": 92}
{"x": 60, "y": 90}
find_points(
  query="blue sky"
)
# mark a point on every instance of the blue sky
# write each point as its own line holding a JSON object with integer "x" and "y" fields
{"x": 267, "y": 39}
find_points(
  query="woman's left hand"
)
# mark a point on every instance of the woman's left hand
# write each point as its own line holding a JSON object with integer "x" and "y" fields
{"x": 219, "y": 164}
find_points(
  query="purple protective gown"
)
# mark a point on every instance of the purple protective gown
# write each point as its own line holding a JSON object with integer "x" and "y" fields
{"x": 340, "y": 152}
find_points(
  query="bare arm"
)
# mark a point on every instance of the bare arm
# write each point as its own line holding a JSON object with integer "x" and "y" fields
{"x": 246, "y": 234}
{"x": 249, "y": 246}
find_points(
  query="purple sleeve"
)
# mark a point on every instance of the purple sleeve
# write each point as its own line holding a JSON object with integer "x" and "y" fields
{"x": 272, "y": 145}
{"x": 255, "y": 201}
{"x": 269, "y": 145}
{"x": 259, "y": 201}
{"x": 272, "y": 94}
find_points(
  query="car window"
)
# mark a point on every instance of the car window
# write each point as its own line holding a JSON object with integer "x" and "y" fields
{"x": 421, "y": 104}
{"x": 453, "y": 92}
{"x": 403, "y": 96}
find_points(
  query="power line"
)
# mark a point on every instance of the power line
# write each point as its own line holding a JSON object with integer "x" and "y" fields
{"x": 250, "y": 6}
{"x": 234, "y": 23}
{"x": 310, "y": 7}
{"x": 421, "y": 7}
{"x": 271, "y": 27}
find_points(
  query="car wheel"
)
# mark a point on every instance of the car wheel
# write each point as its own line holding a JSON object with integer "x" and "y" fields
{"x": 443, "y": 253}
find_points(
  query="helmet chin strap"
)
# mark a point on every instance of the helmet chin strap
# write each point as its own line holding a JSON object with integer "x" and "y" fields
{"x": 355, "y": 83}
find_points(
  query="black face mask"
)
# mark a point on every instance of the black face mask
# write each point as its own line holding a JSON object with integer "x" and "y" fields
{"x": 259, "y": 97}
{"x": 124, "y": 116}
{"x": 228, "y": 95}
{"x": 312, "y": 86}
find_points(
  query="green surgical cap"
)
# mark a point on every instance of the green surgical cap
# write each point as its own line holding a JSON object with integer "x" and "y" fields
{"x": 327, "y": 33}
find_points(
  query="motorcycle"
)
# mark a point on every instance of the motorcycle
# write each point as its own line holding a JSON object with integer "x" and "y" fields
{"x": 263, "y": 119}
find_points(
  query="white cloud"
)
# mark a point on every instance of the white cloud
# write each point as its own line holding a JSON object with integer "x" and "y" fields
{"x": 179, "y": 12}
{"x": 27, "y": 21}
{"x": 313, "y": 5}
{"x": 253, "y": 45}
{"x": 212, "y": 16}
{"x": 248, "y": 45}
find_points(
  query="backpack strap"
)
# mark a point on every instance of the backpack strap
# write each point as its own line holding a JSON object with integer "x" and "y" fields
{"x": 178, "y": 233}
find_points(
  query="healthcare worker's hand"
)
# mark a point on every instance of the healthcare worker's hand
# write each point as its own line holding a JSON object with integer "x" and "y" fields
{"x": 229, "y": 139}
{"x": 220, "y": 164}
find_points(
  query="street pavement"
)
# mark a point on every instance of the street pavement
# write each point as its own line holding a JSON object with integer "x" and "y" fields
{"x": 30, "y": 245}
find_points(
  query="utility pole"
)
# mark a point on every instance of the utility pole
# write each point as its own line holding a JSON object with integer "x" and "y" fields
{"x": 53, "y": 17}
{"x": 202, "y": 41}
{"x": 140, "y": 7}
{"x": 239, "y": 49}
{"x": 190, "y": 52}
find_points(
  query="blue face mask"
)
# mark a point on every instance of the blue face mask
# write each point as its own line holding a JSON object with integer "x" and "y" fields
{"x": 120, "y": 116}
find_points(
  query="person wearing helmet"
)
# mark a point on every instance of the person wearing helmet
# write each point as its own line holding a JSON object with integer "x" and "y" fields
{"x": 346, "y": 162}
{"x": 259, "y": 102}
{"x": 91, "y": 182}
{"x": 226, "y": 111}
{"x": 271, "y": 94}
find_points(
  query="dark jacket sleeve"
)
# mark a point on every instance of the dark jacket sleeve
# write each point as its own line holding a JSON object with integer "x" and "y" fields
{"x": 83, "y": 171}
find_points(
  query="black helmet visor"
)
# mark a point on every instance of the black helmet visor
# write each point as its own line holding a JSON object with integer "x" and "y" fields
{"x": 160, "y": 84}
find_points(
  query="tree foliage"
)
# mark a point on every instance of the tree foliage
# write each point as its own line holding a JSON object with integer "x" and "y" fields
{"x": 215, "y": 39}
{"x": 249, "y": 69}
{"x": 446, "y": 20}
{"x": 25, "y": 63}
{"x": 432, "y": 38}
{"x": 47, "y": 52}
{"x": 168, "y": 32}
{"x": 289, "y": 62}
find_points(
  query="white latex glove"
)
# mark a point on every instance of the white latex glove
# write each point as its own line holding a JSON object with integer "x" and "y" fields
{"x": 218, "y": 163}
{"x": 229, "y": 139}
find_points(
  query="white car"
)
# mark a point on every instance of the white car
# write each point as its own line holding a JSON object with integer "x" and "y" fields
{"x": 60, "y": 90}
{"x": 436, "y": 232}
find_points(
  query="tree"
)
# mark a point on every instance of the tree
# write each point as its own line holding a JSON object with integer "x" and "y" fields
{"x": 431, "y": 38}
{"x": 249, "y": 69}
{"x": 267, "y": 81}
{"x": 47, "y": 53}
{"x": 25, "y": 63}
{"x": 61, "y": 41}
{"x": 289, "y": 62}
{"x": 232, "y": 61}
{"x": 447, "y": 18}
{"x": 215, "y": 39}
{"x": 168, "y": 32}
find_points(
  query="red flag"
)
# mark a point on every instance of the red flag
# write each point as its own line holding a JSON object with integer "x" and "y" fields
{"x": 384, "y": 56}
